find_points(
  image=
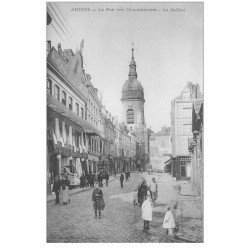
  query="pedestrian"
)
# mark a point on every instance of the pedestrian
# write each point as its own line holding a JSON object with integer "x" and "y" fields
{"x": 135, "y": 197}
{"x": 146, "y": 212}
{"x": 92, "y": 180}
{"x": 56, "y": 189}
{"x": 87, "y": 180}
{"x": 126, "y": 175}
{"x": 107, "y": 178}
{"x": 121, "y": 179}
{"x": 114, "y": 174}
{"x": 153, "y": 187}
{"x": 169, "y": 222}
{"x": 65, "y": 190}
{"x": 142, "y": 192}
{"x": 99, "y": 179}
{"x": 82, "y": 181}
{"x": 98, "y": 201}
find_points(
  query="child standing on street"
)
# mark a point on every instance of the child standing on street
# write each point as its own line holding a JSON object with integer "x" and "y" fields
{"x": 169, "y": 222}
{"x": 135, "y": 197}
{"x": 146, "y": 212}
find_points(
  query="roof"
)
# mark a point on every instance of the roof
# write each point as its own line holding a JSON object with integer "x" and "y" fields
{"x": 132, "y": 89}
{"x": 132, "y": 84}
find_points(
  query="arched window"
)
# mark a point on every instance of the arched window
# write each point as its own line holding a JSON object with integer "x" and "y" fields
{"x": 49, "y": 86}
{"x": 77, "y": 108}
{"x": 70, "y": 103}
{"x": 130, "y": 116}
{"x": 63, "y": 98}
{"x": 82, "y": 113}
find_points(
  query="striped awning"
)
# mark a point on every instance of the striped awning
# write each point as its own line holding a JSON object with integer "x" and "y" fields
{"x": 61, "y": 109}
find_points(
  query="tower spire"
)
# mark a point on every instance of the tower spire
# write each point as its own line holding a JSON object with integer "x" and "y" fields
{"x": 132, "y": 50}
{"x": 132, "y": 65}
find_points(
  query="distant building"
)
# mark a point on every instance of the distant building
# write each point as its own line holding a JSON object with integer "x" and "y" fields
{"x": 181, "y": 123}
{"x": 160, "y": 147}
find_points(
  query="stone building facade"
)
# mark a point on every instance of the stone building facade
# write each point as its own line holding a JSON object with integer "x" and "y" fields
{"x": 196, "y": 150}
{"x": 181, "y": 124}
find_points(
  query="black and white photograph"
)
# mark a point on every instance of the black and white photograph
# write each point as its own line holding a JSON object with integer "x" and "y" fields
{"x": 124, "y": 129}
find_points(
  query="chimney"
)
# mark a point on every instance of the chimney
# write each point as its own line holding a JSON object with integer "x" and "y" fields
{"x": 48, "y": 46}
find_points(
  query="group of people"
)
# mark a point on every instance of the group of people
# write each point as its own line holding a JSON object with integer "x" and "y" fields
{"x": 87, "y": 180}
{"x": 147, "y": 212}
{"x": 140, "y": 193}
{"x": 146, "y": 195}
{"x": 101, "y": 176}
{"x": 61, "y": 189}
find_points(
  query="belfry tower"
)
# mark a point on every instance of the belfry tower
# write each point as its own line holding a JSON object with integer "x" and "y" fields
{"x": 133, "y": 100}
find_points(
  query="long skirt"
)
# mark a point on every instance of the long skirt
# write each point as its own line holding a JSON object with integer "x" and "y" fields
{"x": 99, "y": 204}
{"x": 65, "y": 195}
{"x": 142, "y": 196}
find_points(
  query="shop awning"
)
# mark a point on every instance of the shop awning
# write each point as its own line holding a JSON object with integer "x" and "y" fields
{"x": 168, "y": 161}
{"x": 61, "y": 109}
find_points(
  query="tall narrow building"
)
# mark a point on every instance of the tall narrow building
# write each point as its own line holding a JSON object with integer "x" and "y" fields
{"x": 133, "y": 99}
{"x": 133, "y": 108}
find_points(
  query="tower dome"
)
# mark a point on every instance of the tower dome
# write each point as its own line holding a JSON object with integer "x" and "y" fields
{"x": 132, "y": 88}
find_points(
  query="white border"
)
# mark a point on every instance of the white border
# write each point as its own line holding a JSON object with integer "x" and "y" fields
{"x": 23, "y": 113}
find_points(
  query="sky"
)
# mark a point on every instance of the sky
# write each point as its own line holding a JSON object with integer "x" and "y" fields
{"x": 168, "y": 49}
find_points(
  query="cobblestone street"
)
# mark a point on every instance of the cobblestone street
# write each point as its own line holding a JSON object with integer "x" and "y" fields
{"x": 121, "y": 220}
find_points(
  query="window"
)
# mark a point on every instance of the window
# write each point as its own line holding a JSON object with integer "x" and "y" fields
{"x": 70, "y": 103}
{"x": 82, "y": 113}
{"x": 63, "y": 98}
{"x": 130, "y": 116}
{"x": 49, "y": 86}
{"x": 57, "y": 93}
{"x": 77, "y": 108}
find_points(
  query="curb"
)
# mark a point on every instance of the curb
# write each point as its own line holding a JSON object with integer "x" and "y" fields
{"x": 184, "y": 240}
{"x": 80, "y": 190}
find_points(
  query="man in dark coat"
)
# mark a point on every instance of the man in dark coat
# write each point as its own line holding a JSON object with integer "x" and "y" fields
{"x": 82, "y": 181}
{"x": 121, "y": 179}
{"x": 56, "y": 189}
{"x": 100, "y": 178}
{"x": 107, "y": 178}
{"x": 98, "y": 202}
{"x": 87, "y": 179}
{"x": 92, "y": 180}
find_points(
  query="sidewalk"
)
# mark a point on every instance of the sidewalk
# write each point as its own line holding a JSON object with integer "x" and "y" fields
{"x": 52, "y": 197}
{"x": 184, "y": 204}
{"x": 189, "y": 214}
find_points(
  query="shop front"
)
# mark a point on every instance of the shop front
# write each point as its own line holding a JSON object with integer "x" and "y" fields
{"x": 93, "y": 162}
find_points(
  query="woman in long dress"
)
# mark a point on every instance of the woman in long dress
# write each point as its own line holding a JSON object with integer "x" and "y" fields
{"x": 65, "y": 190}
{"x": 142, "y": 192}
